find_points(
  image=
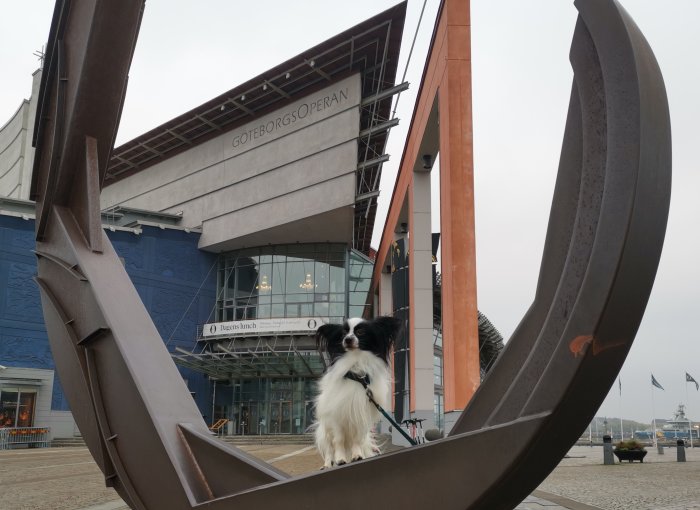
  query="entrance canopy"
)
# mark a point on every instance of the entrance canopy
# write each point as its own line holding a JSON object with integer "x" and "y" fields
{"x": 279, "y": 355}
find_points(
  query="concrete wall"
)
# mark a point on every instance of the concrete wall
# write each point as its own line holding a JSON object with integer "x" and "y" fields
{"x": 170, "y": 274}
{"x": 63, "y": 425}
{"x": 421, "y": 291}
{"x": 11, "y": 157}
{"x": 296, "y": 163}
{"x": 16, "y": 151}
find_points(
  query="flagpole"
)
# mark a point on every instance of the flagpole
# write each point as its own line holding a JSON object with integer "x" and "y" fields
{"x": 653, "y": 416}
{"x": 690, "y": 423}
{"x": 596, "y": 428}
{"x": 622, "y": 430}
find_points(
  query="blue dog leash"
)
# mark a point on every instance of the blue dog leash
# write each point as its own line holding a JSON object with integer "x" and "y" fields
{"x": 364, "y": 381}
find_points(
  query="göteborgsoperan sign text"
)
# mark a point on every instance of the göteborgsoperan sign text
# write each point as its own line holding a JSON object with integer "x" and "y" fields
{"x": 289, "y": 117}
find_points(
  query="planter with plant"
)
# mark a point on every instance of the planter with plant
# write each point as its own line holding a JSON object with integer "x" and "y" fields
{"x": 630, "y": 451}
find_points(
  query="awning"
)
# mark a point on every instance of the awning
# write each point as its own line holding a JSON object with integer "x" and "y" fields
{"x": 255, "y": 356}
{"x": 20, "y": 381}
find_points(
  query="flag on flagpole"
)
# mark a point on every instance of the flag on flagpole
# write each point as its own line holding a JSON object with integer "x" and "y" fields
{"x": 654, "y": 382}
{"x": 619, "y": 383}
{"x": 689, "y": 378}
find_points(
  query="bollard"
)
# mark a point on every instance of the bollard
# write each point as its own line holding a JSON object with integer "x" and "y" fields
{"x": 434, "y": 434}
{"x": 660, "y": 448}
{"x": 608, "y": 458}
{"x": 680, "y": 450}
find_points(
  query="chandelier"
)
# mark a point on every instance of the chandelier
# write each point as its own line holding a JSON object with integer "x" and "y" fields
{"x": 307, "y": 284}
{"x": 264, "y": 286}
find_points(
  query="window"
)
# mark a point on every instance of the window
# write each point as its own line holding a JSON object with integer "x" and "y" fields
{"x": 438, "y": 374}
{"x": 360, "y": 278}
{"x": 17, "y": 407}
{"x": 439, "y": 410}
{"x": 437, "y": 369}
{"x": 300, "y": 280}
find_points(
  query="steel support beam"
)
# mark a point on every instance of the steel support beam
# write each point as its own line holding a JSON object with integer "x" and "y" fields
{"x": 385, "y": 93}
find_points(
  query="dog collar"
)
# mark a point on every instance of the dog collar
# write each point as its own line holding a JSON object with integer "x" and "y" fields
{"x": 363, "y": 380}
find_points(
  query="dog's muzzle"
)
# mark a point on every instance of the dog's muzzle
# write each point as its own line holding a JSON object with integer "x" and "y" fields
{"x": 350, "y": 342}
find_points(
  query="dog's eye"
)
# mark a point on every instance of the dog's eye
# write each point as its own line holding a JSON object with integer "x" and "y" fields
{"x": 359, "y": 331}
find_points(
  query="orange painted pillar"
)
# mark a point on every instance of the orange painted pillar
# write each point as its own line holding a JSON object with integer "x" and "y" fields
{"x": 447, "y": 78}
{"x": 459, "y": 308}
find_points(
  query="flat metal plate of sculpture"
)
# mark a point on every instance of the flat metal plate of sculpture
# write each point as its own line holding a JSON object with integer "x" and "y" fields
{"x": 603, "y": 245}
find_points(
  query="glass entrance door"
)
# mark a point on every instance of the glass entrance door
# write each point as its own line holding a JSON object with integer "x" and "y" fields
{"x": 281, "y": 417}
{"x": 310, "y": 412}
{"x": 248, "y": 419}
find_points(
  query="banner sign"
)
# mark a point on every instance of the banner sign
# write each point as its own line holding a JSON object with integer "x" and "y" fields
{"x": 262, "y": 326}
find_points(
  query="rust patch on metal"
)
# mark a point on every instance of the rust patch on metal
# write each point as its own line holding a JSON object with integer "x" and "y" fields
{"x": 578, "y": 345}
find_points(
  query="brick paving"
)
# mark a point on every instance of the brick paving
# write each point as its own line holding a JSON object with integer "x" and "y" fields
{"x": 51, "y": 479}
{"x": 660, "y": 483}
{"x": 68, "y": 479}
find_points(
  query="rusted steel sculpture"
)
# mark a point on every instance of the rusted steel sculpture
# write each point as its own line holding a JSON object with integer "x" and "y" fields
{"x": 603, "y": 245}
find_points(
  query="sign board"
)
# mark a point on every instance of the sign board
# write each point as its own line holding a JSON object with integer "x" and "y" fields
{"x": 263, "y": 326}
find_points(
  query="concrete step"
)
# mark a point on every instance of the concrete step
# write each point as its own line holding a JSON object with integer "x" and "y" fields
{"x": 303, "y": 439}
{"x": 67, "y": 441}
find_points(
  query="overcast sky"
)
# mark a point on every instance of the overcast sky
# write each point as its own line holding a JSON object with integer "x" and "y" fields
{"x": 189, "y": 52}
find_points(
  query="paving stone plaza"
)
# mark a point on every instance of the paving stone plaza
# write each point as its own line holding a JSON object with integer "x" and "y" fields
{"x": 68, "y": 479}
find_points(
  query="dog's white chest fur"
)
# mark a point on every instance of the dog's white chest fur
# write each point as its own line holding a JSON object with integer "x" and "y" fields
{"x": 344, "y": 415}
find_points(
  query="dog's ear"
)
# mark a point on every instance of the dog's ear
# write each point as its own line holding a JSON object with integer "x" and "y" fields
{"x": 389, "y": 328}
{"x": 329, "y": 338}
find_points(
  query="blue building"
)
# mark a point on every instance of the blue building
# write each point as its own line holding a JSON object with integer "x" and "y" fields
{"x": 173, "y": 277}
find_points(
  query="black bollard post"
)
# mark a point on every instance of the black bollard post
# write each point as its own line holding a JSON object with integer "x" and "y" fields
{"x": 660, "y": 448}
{"x": 608, "y": 458}
{"x": 680, "y": 450}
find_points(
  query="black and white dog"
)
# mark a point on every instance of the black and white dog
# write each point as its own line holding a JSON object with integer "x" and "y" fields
{"x": 359, "y": 351}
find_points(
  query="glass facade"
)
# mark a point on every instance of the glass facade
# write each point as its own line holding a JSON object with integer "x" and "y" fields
{"x": 360, "y": 279}
{"x": 322, "y": 280}
{"x": 438, "y": 388}
{"x": 295, "y": 280}
{"x": 400, "y": 310}
{"x": 270, "y": 405}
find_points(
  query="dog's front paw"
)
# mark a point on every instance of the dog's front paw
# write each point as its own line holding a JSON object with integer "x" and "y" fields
{"x": 357, "y": 457}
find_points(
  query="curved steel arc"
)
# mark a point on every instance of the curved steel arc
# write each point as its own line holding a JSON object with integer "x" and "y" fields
{"x": 572, "y": 343}
{"x": 603, "y": 244}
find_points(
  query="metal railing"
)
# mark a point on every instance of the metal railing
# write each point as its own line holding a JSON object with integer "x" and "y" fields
{"x": 32, "y": 437}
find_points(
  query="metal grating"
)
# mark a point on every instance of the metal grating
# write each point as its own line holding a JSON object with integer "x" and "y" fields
{"x": 278, "y": 356}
